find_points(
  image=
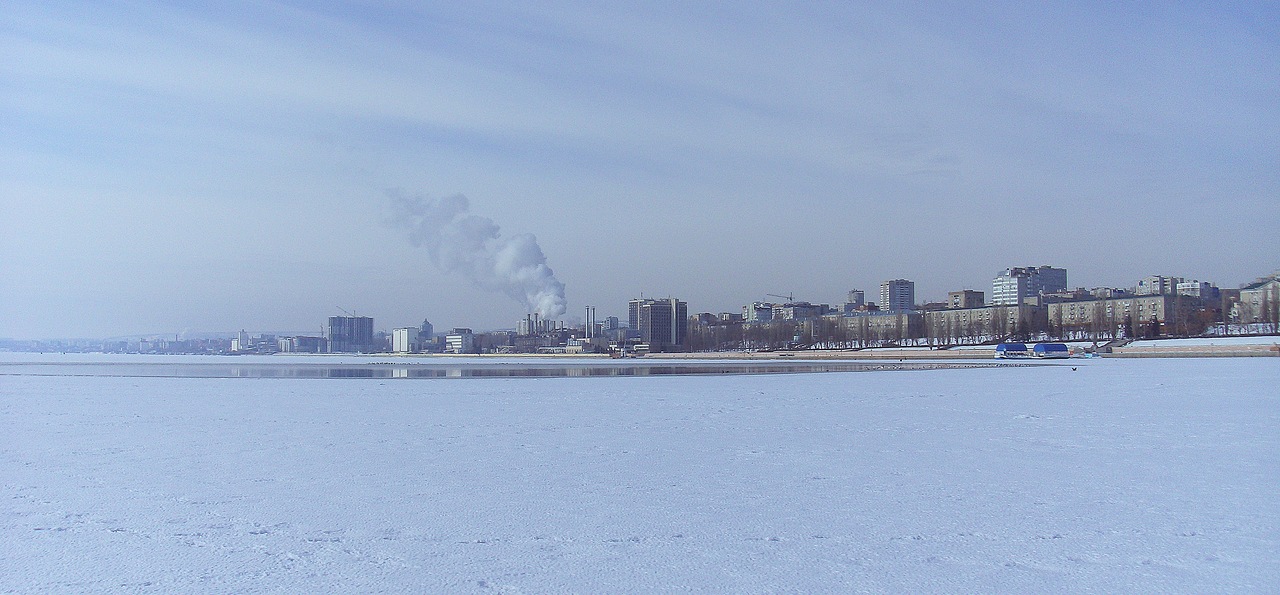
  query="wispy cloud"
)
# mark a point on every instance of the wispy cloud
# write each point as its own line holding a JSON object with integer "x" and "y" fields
{"x": 912, "y": 126}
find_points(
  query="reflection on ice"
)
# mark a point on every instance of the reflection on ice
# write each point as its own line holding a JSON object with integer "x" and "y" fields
{"x": 496, "y": 369}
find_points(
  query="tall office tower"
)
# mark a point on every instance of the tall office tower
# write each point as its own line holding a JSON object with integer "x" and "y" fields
{"x": 350, "y": 334}
{"x": 897, "y": 294}
{"x": 634, "y": 312}
{"x": 403, "y": 340}
{"x": 1013, "y": 285}
{"x": 662, "y": 323}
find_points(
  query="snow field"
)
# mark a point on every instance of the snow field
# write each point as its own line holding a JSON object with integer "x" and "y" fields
{"x": 1122, "y": 476}
{"x": 1205, "y": 341}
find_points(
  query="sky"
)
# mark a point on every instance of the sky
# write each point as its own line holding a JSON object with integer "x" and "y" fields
{"x": 171, "y": 168}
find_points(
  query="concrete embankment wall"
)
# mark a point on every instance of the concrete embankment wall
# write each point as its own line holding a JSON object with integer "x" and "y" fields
{"x": 1198, "y": 351}
{"x": 869, "y": 354}
{"x": 972, "y": 354}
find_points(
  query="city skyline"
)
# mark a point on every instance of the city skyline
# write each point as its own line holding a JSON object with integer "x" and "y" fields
{"x": 628, "y": 313}
{"x": 216, "y": 168}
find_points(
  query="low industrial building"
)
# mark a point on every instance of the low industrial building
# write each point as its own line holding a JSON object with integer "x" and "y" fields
{"x": 302, "y": 344}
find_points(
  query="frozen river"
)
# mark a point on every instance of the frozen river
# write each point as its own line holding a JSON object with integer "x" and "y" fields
{"x": 1118, "y": 476}
{"x": 436, "y": 367}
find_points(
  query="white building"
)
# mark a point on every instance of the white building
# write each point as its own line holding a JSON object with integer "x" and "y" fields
{"x": 1157, "y": 285}
{"x": 757, "y": 312}
{"x": 1195, "y": 288}
{"x": 460, "y": 340}
{"x": 1012, "y": 286}
{"x": 799, "y": 311}
{"x": 403, "y": 339}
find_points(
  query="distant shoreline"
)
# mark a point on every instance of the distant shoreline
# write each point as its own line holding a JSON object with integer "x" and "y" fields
{"x": 969, "y": 354}
{"x": 870, "y": 354}
{"x": 1258, "y": 350}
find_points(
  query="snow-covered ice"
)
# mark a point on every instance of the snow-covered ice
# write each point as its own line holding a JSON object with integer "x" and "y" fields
{"x": 1127, "y": 475}
{"x": 1203, "y": 341}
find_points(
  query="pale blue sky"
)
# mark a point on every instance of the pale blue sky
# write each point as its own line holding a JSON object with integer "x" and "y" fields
{"x": 167, "y": 167}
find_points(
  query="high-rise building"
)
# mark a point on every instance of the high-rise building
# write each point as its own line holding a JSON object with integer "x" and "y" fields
{"x": 403, "y": 339}
{"x": 589, "y": 322}
{"x": 633, "y": 313}
{"x": 350, "y": 334}
{"x": 799, "y": 311}
{"x": 1200, "y": 289}
{"x": 1157, "y": 285}
{"x": 663, "y": 324}
{"x": 757, "y": 312}
{"x": 1012, "y": 286}
{"x": 855, "y": 301}
{"x": 897, "y": 294}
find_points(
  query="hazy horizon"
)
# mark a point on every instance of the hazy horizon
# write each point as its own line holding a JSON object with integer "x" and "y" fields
{"x": 225, "y": 167}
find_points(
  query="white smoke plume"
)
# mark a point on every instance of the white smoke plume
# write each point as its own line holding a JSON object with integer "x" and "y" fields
{"x": 459, "y": 242}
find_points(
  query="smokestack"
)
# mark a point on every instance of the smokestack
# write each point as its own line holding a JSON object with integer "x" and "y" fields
{"x": 470, "y": 245}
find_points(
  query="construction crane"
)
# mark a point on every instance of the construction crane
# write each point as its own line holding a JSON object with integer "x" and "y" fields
{"x": 344, "y": 311}
{"x": 788, "y": 297}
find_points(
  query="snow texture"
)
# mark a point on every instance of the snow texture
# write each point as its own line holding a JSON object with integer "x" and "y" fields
{"x": 1207, "y": 341}
{"x": 1120, "y": 476}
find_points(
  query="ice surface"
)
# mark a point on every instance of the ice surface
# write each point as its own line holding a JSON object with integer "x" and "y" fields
{"x": 1125, "y": 475}
{"x": 275, "y": 359}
